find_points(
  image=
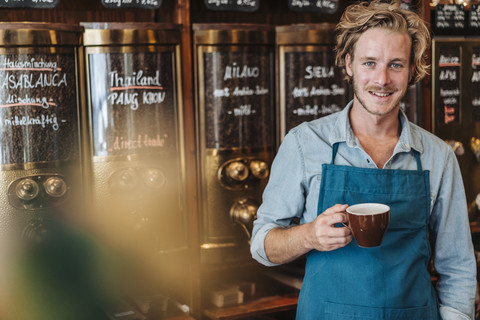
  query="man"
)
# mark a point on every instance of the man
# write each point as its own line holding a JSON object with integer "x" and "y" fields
{"x": 369, "y": 152}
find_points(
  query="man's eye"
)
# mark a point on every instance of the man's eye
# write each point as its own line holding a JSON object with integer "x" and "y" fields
{"x": 396, "y": 65}
{"x": 369, "y": 64}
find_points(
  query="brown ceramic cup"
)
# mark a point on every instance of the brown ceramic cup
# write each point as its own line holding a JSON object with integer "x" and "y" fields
{"x": 368, "y": 223}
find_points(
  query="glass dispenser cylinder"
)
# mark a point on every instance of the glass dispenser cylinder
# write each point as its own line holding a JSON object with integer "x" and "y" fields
{"x": 310, "y": 86}
{"x": 136, "y": 158}
{"x": 235, "y": 95}
{"x": 39, "y": 139}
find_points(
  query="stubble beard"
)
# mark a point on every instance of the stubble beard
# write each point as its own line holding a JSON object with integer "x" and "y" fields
{"x": 394, "y": 106}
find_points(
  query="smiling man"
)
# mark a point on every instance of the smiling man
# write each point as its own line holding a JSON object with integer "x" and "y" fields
{"x": 370, "y": 152}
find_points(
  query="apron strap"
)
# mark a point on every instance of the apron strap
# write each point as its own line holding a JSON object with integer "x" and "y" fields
{"x": 415, "y": 153}
{"x": 417, "y": 157}
{"x": 334, "y": 152}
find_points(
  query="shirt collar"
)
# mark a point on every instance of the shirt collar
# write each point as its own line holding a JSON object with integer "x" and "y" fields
{"x": 342, "y": 132}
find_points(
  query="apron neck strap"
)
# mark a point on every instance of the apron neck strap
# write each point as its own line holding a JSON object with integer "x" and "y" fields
{"x": 415, "y": 153}
{"x": 417, "y": 157}
{"x": 334, "y": 152}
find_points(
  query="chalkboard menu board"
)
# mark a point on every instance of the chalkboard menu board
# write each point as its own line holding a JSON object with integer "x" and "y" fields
{"x": 320, "y": 6}
{"x": 476, "y": 83}
{"x": 38, "y": 108}
{"x": 29, "y": 3}
{"x": 239, "y": 99}
{"x": 232, "y": 5}
{"x": 474, "y": 17}
{"x": 448, "y": 89}
{"x": 449, "y": 16}
{"x": 314, "y": 87}
{"x": 133, "y": 103}
{"x": 141, "y": 4}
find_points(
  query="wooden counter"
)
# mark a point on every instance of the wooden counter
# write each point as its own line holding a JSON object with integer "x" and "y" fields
{"x": 253, "y": 308}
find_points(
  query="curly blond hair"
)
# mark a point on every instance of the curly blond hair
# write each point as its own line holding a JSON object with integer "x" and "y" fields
{"x": 362, "y": 16}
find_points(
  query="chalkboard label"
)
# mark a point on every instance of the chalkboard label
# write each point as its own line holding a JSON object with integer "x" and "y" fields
{"x": 314, "y": 87}
{"x": 449, "y": 16}
{"x": 448, "y": 79}
{"x": 133, "y": 103}
{"x": 29, "y": 3}
{"x": 232, "y": 5}
{"x": 38, "y": 108}
{"x": 474, "y": 17}
{"x": 239, "y": 99}
{"x": 320, "y": 6}
{"x": 476, "y": 83}
{"x": 141, "y": 4}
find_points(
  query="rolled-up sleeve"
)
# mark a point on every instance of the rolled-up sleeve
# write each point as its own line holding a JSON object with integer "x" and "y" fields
{"x": 283, "y": 197}
{"x": 454, "y": 258}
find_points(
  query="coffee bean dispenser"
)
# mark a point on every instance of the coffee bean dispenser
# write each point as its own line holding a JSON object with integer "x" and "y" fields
{"x": 40, "y": 158}
{"x": 39, "y": 147}
{"x": 310, "y": 86}
{"x": 135, "y": 143}
{"x": 235, "y": 95}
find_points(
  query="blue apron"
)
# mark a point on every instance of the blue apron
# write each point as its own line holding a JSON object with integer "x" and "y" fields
{"x": 387, "y": 282}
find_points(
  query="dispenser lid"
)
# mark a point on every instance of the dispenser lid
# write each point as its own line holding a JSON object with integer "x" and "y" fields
{"x": 225, "y": 33}
{"x": 39, "y": 33}
{"x": 130, "y": 33}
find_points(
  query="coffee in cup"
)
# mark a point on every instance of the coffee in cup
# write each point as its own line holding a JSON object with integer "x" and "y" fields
{"x": 368, "y": 223}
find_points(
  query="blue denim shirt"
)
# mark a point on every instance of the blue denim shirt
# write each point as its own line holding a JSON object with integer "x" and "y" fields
{"x": 294, "y": 185}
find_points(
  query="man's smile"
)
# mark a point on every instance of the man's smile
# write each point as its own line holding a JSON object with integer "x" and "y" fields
{"x": 381, "y": 94}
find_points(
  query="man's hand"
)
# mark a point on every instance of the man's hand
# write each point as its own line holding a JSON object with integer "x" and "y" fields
{"x": 324, "y": 236}
{"x": 283, "y": 245}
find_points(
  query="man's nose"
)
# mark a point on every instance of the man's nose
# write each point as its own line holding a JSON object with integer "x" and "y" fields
{"x": 382, "y": 76}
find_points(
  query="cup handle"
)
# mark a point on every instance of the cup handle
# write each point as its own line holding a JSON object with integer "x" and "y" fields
{"x": 345, "y": 225}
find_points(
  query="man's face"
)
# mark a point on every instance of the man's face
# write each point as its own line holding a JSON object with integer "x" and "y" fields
{"x": 380, "y": 70}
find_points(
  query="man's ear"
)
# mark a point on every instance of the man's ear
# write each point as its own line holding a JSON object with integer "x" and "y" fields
{"x": 348, "y": 64}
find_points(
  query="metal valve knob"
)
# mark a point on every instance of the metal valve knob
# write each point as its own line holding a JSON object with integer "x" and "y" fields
{"x": 55, "y": 187}
{"x": 259, "y": 169}
{"x": 475, "y": 146}
{"x": 27, "y": 189}
{"x": 237, "y": 171}
{"x": 457, "y": 147}
{"x": 154, "y": 178}
{"x": 243, "y": 213}
{"x": 126, "y": 180}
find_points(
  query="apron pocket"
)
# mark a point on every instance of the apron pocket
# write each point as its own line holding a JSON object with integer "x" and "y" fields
{"x": 335, "y": 311}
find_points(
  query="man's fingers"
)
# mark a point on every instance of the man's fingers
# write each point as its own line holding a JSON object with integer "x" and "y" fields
{"x": 328, "y": 235}
{"x": 336, "y": 208}
{"x": 331, "y": 218}
{"x": 338, "y": 232}
{"x": 334, "y": 243}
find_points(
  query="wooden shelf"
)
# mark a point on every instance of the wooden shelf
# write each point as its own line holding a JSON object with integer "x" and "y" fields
{"x": 255, "y": 307}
